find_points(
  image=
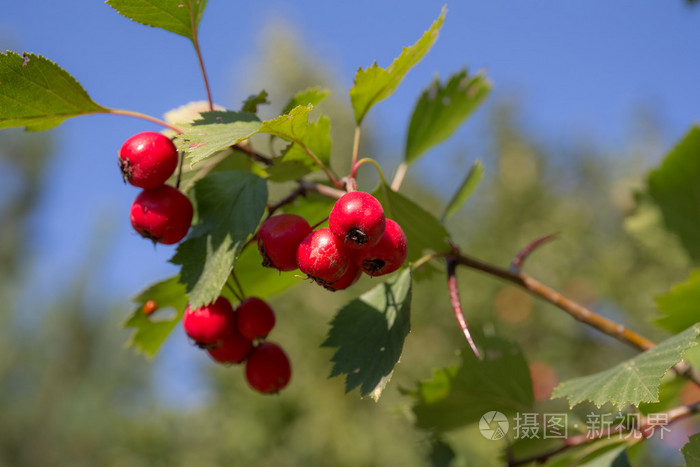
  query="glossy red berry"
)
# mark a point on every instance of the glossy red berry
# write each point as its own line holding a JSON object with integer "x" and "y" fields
{"x": 322, "y": 257}
{"x": 351, "y": 276}
{"x": 209, "y": 325}
{"x": 357, "y": 219}
{"x": 162, "y": 214}
{"x": 388, "y": 255}
{"x": 233, "y": 349}
{"x": 278, "y": 240}
{"x": 254, "y": 318}
{"x": 268, "y": 369}
{"x": 147, "y": 159}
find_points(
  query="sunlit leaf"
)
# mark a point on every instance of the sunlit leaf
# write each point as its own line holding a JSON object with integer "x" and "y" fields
{"x": 310, "y": 96}
{"x": 179, "y": 16}
{"x": 681, "y": 306}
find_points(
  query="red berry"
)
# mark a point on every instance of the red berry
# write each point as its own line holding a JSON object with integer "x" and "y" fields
{"x": 268, "y": 369}
{"x": 357, "y": 219}
{"x": 254, "y": 318}
{"x": 278, "y": 240}
{"x": 234, "y": 349}
{"x": 388, "y": 255}
{"x": 209, "y": 325}
{"x": 147, "y": 159}
{"x": 162, "y": 214}
{"x": 322, "y": 257}
{"x": 351, "y": 276}
{"x": 149, "y": 307}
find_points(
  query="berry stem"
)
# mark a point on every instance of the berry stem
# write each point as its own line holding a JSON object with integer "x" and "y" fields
{"x": 399, "y": 176}
{"x": 179, "y": 169}
{"x": 356, "y": 146}
{"x": 333, "y": 179}
{"x": 457, "y": 305}
{"x": 365, "y": 160}
{"x": 131, "y": 113}
{"x": 238, "y": 284}
{"x": 233, "y": 291}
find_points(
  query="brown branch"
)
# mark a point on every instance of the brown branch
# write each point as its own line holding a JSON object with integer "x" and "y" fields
{"x": 457, "y": 304}
{"x": 253, "y": 154}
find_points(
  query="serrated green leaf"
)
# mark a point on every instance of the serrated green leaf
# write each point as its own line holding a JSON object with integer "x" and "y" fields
{"x": 216, "y": 131}
{"x": 441, "y": 109}
{"x": 458, "y": 396}
{"x": 310, "y": 96}
{"x": 469, "y": 184}
{"x": 251, "y": 104}
{"x": 38, "y": 94}
{"x": 632, "y": 381}
{"x": 681, "y": 306}
{"x": 229, "y": 205}
{"x": 285, "y": 171}
{"x": 375, "y": 83}
{"x": 369, "y": 333}
{"x": 258, "y": 281}
{"x": 179, "y": 16}
{"x": 150, "y": 331}
{"x": 423, "y": 231}
{"x": 691, "y": 450}
{"x": 675, "y": 188}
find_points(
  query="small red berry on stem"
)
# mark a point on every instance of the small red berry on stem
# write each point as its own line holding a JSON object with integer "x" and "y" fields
{"x": 162, "y": 214}
{"x": 268, "y": 369}
{"x": 233, "y": 349}
{"x": 254, "y": 318}
{"x": 147, "y": 159}
{"x": 388, "y": 255}
{"x": 278, "y": 240}
{"x": 357, "y": 219}
{"x": 210, "y": 325}
{"x": 322, "y": 257}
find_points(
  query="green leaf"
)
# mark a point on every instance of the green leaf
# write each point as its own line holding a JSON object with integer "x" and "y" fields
{"x": 375, "y": 83}
{"x": 369, "y": 333}
{"x": 179, "y": 16}
{"x": 471, "y": 181}
{"x": 632, "y": 381}
{"x": 675, "y": 188}
{"x": 38, "y": 94}
{"x": 440, "y": 110}
{"x": 681, "y": 306}
{"x": 441, "y": 453}
{"x": 150, "y": 331}
{"x": 423, "y": 231}
{"x": 251, "y": 104}
{"x": 216, "y": 131}
{"x": 691, "y": 450}
{"x": 296, "y": 128}
{"x": 229, "y": 205}
{"x": 310, "y": 96}
{"x": 258, "y": 281}
{"x": 458, "y": 396}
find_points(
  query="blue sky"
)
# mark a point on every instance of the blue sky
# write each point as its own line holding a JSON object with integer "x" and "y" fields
{"x": 579, "y": 67}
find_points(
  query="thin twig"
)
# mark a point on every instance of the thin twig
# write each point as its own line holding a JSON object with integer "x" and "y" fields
{"x": 233, "y": 291}
{"x": 517, "y": 264}
{"x": 235, "y": 279}
{"x": 253, "y": 154}
{"x": 457, "y": 305}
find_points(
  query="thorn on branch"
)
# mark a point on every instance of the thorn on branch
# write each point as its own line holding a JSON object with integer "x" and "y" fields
{"x": 457, "y": 305}
{"x": 517, "y": 264}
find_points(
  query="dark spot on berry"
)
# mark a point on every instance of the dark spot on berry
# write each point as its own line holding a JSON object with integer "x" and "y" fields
{"x": 373, "y": 266}
{"x": 357, "y": 236}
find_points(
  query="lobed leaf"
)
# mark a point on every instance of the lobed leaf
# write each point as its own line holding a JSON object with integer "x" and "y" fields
{"x": 375, "y": 83}
{"x": 38, "y": 94}
{"x": 441, "y": 109}
{"x": 469, "y": 184}
{"x": 423, "y": 231}
{"x": 681, "y": 306}
{"x": 214, "y": 132}
{"x": 150, "y": 331}
{"x": 459, "y": 396}
{"x": 633, "y": 381}
{"x": 179, "y": 16}
{"x": 675, "y": 188}
{"x": 369, "y": 333}
{"x": 691, "y": 450}
{"x": 229, "y": 205}
{"x": 310, "y": 96}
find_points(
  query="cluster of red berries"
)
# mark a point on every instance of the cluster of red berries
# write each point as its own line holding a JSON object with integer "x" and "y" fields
{"x": 359, "y": 238}
{"x": 236, "y": 336}
{"x": 160, "y": 212}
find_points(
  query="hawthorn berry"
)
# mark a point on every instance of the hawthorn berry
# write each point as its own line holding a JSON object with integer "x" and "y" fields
{"x": 210, "y": 325}
{"x": 322, "y": 257}
{"x": 162, "y": 214}
{"x": 147, "y": 159}
{"x": 388, "y": 255}
{"x": 351, "y": 276}
{"x": 357, "y": 219}
{"x": 254, "y": 318}
{"x": 278, "y": 240}
{"x": 268, "y": 369}
{"x": 233, "y": 349}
